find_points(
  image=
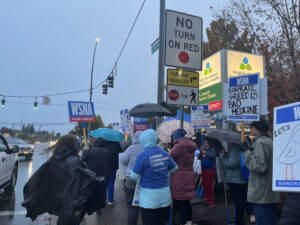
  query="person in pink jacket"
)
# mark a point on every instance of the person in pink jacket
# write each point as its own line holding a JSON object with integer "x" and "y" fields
{"x": 183, "y": 181}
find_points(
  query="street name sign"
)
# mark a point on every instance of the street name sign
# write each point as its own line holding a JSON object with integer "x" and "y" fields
{"x": 81, "y": 111}
{"x": 182, "y": 87}
{"x": 183, "y": 40}
{"x": 286, "y": 148}
{"x": 243, "y": 98}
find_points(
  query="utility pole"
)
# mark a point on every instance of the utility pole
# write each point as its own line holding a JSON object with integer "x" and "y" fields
{"x": 161, "y": 57}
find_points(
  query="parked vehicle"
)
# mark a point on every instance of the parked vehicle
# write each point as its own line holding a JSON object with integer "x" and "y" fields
{"x": 8, "y": 165}
{"x": 26, "y": 149}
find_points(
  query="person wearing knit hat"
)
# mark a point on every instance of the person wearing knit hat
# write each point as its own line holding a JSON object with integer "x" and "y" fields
{"x": 183, "y": 181}
{"x": 178, "y": 134}
{"x": 261, "y": 126}
{"x": 259, "y": 160}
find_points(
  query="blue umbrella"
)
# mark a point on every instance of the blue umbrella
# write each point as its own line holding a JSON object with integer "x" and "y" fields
{"x": 107, "y": 134}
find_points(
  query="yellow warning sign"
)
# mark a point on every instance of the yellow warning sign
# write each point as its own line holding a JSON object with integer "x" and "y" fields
{"x": 181, "y": 77}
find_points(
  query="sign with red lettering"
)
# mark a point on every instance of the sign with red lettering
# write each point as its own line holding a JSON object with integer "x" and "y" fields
{"x": 216, "y": 105}
{"x": 183, "y": 40}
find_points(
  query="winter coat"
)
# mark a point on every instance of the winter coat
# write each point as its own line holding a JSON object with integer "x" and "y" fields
{"x": 62, "y": 187}
{"x": 129, "y": 156}
{"x": 99, "y": 158}
{"x": 209, "y": 160}
{"x": 183, "y": 181}
{"x": 291, "y": 210}
{"x": 114, "y": 148}
{"x": 232, "y": 168}
{"x": 260, "y": 163}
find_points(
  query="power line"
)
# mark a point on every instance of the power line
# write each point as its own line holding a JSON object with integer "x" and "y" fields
{"x": 62, "y": 105}
{"x": 85, "y": 90}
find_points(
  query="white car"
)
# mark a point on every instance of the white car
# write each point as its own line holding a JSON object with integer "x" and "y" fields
{"x": 8, "y": 165}
{"x": 25, "y": 148}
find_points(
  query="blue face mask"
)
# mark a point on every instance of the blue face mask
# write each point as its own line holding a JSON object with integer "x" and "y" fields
{"x": 148, "y": 138}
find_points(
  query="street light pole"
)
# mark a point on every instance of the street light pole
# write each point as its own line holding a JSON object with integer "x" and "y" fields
{"x": 92, "y": 73}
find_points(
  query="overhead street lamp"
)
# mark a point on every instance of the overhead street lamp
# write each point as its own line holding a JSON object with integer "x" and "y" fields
{"x": 92, "y": 72}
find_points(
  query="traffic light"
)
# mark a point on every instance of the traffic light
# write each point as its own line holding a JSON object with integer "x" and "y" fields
{"x": 110, "y": 81}
{"x": 3, "y": 102}
{"x": 104, "y": 86}
{"x": 35, "y": 104}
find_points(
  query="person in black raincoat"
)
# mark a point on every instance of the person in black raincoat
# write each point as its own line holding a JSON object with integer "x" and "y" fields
{"x": 63, "y": 186}
{"x": 98, "y": 157}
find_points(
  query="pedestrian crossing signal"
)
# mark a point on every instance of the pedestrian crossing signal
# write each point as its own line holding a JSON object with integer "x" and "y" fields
{"x": 110, "y": 81}
{"x": 104, "y": 87}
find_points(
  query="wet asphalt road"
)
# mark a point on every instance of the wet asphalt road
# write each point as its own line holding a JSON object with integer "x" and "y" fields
{"x": 12, "y": 213}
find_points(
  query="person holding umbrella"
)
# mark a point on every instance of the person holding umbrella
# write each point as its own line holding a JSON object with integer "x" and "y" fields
{"x": 103, "y": 157}
{"x": 183, "y": 181}
{"x": 236, "y": 183}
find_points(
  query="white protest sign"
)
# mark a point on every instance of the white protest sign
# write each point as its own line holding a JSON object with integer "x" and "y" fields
{"x": 286, "y": 148}
{"x": 242, "y": 100}
{"x": 200, "y": 117}
{"x": 183, "y": 40}
{"x": 136, "y": 197}
{"x": 122, "y": 168}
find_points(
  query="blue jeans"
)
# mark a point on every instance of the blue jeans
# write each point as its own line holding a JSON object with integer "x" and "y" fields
{"x": 265, "y": 214}
{"x": 111, "y": 187}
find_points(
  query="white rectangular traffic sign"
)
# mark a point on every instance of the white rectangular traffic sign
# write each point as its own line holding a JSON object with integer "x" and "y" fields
{"x": 286, "y": 148}
{"x": 183, "y": 40}
{"x": 180, "y": 95}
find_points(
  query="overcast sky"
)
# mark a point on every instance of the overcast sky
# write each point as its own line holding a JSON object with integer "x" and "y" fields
{"x": 46, "y": 47}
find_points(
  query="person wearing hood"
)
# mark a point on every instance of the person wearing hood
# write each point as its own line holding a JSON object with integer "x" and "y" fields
{"x": 63, "y": 186}
{"x": 152, "y": 168}
{"x": 259, "y": 160}
{"x": 183, "y": 181}
{"x": 98, "y": 157}
{"x": 128, "y": 160}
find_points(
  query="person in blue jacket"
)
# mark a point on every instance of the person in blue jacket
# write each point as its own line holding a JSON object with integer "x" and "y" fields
{"x": 153, "y": 167}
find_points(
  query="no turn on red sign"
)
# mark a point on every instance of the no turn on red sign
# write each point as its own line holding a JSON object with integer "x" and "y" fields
{"x": 183, "y": 40}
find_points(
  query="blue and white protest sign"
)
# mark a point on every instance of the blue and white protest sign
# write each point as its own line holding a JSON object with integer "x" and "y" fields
{"x": 81, "y": 111}
{"x": 243, "y": 98}
{"x": 286, "y": 149}
{"x": 200, "y": 117}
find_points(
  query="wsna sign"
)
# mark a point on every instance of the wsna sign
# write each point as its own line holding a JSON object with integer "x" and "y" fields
{"x": 81, "y": 111}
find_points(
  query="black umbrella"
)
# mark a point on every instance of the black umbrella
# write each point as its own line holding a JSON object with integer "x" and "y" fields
{"x": 149, "y": 110}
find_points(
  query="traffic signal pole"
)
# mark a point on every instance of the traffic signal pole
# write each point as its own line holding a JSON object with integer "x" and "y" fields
{"x": 161, "y": 57}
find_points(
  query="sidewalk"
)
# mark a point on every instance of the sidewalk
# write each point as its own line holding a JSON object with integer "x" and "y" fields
{"x": 116, "y": 214}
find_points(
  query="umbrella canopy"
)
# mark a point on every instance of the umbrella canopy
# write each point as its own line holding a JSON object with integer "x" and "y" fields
{"x": 107, "y": 134}
{"x": 149, "y": 110}
{"x": 165, "y": 130}
{"x": 224, "y": 135}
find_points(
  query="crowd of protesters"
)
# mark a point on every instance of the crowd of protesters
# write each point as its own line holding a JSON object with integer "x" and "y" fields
{"x": 165, "y": 176}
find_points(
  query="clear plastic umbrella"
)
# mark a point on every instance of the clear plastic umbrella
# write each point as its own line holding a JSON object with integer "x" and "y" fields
{"x": 165, "y": 130}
